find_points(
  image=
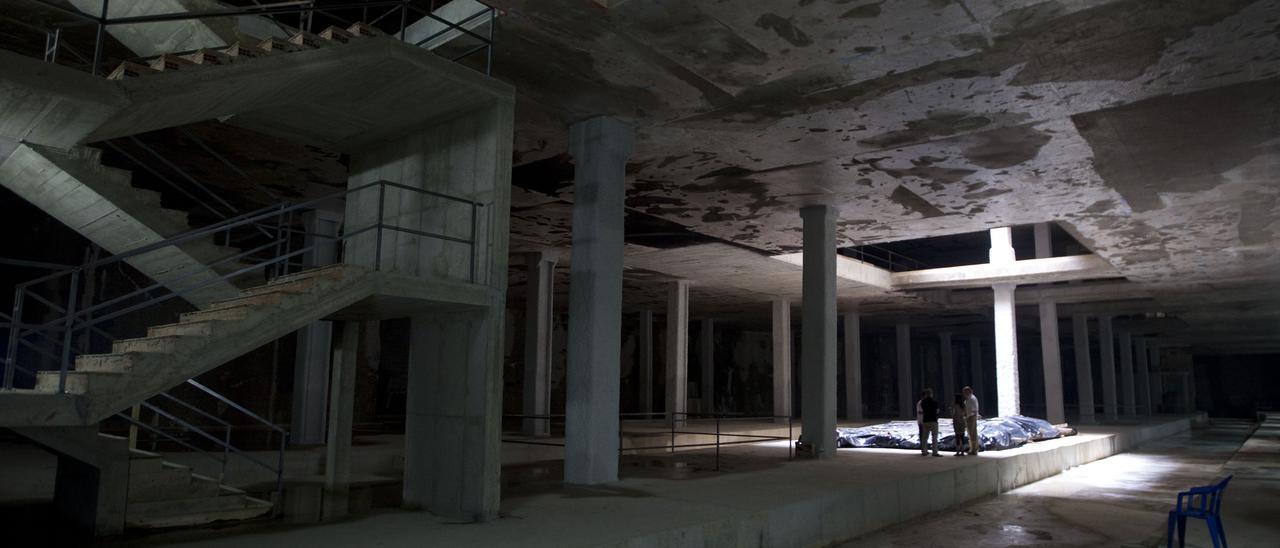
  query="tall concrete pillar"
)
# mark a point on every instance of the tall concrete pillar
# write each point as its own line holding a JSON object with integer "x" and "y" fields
{"x": 707, "y": 359}
{"x": 1142, "y": 382}
{"x": 342, "y": 396}
{"x": 314, "y": 342}
{"x": 906, "y": 403}
{"x": 646, "y": 361}
{"x": 1107, "y": 361}
{"x": 1008, "y": 399}
{"x": 677, "y": 388}
{"x": 781, "y": 358}
{"x": 1127, "y": 405}
{"x": 1157, "y": 377}
{"x": 1051, "y": 355}
{"x": 818, "y": 331}
{"x": 852, "y": 367}
{"x": 976, "y": 377}
{"x": 1084, "y": 368}
{"x": 948, "y": 364}
{"x": 600, "y": 147}
{"x": 539, "y": 308}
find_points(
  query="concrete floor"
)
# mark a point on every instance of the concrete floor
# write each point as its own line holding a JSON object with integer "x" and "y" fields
{"x": 1122, "y": 500}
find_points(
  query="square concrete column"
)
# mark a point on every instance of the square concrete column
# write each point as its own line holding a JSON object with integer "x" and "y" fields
{"x": 948, "y": 364}
{"x": 1107, "y": 361}
{"x": 646, "y": 361}
{"x": 818, "y": 331}
{"x": 852, "y": 367}
{"x": 707, "y": 359}
{"x": 342, "y": 396}
{"x": 1084, "y": 368}
{"x": 1008, "y": 399}
{"x": 677, "y": 388}
{"x": 1142, "y": 381}
{"x": 600, "y": 147}
{"x": 1127, "y": 405}
{"x": 1051, "y": 356}
{"x": 1157, "y": 377}
{"x": 976, "y": 377}
{"x": 311, "y": 359}
{"x": 453, "y": 413}
{"x": 906, "y": 404}
{"x": 781, "y": 358}
{"x": 539, "y": 308}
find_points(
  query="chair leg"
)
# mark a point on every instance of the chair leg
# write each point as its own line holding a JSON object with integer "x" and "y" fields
{"x": 1182, "y": 531}
{"x": 1222, "y": 531}
{"x": 1172, "y": 519}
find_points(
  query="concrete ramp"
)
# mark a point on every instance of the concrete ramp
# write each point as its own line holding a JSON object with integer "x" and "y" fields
{"x": 99, "y": 203}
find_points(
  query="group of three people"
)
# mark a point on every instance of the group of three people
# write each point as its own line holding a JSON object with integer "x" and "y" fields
{"x": 964, "y": 417}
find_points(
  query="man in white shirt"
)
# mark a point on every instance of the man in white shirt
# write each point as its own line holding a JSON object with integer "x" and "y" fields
{"x": 971, "y": 419}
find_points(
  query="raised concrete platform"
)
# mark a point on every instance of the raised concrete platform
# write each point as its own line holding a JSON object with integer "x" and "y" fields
{"x": 789, "y": 503}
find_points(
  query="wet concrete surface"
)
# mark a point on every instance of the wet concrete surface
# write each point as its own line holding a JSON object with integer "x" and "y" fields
{"x": 1122, "y": 500}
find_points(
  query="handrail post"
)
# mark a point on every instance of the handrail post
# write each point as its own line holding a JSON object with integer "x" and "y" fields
{"x": 717, "y": 442}
{"x": 11, "y": 353}
{"x": 66, "y": 334}
{"x": 284, "y": 441}
{"x": 226, "y": 446}
{"x": 404, "y": 19}
{"x": 673, "y": 433}
{"x": 790, "y": 446}
{"x": 382, "y": 199}
{"x": 474, "y": 240}
{"x": 97, "y": 46}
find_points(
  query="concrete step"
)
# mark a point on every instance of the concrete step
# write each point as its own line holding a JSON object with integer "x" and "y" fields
{"x": 146, "y": 345}
{"x": 104, "y": 363}
{"x": 170, "y": 483}
{"x": 142, "y": 462}
{"x": 330, "y": 272}
{"x": 272, "y": 45}
{"x": 337, "y": 34}
{"x": 364, "y": 29}
{"x": 181, "y": 513}
{"x": 183, "y": 329}
{"x": 261, "y": 299}
{"x": 130, "y": 69}
{"x": 291, "y": 287}
{"x": 309, "y": 40}
{"x": 206, "y": 56}
{"x": 232, "y": 313}
{"x": 247, "y": 49}
{"x": 78, "y": 382}
{"x": 170, "y": 61}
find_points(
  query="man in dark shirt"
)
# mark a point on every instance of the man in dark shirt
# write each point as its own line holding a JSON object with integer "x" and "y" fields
{"x": 928, "y": 408}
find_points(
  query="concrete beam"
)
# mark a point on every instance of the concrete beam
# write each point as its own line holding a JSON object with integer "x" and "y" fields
{"x": 849, "y": 269}
{"x": 1029, "y": 271}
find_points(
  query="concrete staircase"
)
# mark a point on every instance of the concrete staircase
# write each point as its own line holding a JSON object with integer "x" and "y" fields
{"x": 100, "y": 203}
{"x": 165, "y": 494}
{"x": 202, "y": 340}
{"x": 242, "y": 50}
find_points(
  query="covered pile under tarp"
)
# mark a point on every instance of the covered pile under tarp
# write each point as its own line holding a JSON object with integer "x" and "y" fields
{"x": 996, "y": 433}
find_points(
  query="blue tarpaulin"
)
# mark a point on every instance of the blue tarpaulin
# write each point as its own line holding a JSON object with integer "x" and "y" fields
{"x": 996, "y": 433}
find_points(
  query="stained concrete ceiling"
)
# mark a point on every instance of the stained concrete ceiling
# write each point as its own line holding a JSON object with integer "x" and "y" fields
{"x": 1148, "y": 129}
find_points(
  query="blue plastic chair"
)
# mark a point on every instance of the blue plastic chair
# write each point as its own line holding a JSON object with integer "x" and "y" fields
{"x": 1201, "y": 503}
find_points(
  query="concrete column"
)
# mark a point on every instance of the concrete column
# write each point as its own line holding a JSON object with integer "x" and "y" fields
{"x": 539, "y": 309}
{"x": 1157, "y": 377}
{"x": 677, "y": 400}
{"x": 646, "y": 361}
{"x": 1142, "y": 381}
{"x": 311, "y": 359}
{"x": 453, "y": 413}
{"x": 707, "y": 359}
{"x": 906, "y": 404}
{"x": 948, "y": 364}
{"x": 1084, "y": 368}
{"x": 1008, "y": 400}
{"x": 1126, "y": 374}
{"x": 1051, "y": 355}
{"x": 818, "y": 331}
{"x": 976, "y": 380}
{"x": 852, "y": 367}
{"x": 600, "y": 147}
{"x": 342, "y": 396}
{"x": 1107, "y": 362}
{"x": 1044, "y": 244}
{"x": 781, "y": 358}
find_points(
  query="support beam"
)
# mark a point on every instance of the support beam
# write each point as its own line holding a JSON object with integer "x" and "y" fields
{"x": 1051, "y": 356}
{"x": 1127, "y": 405}
{"x": 903, "y": 340}
{"x": 1107, "y": 361}
{"x": 852, "y": 367}
{"x": 1084, "y": 368}
{"x": 1027, "y": 271}
{"x": 646, "y": 361}
{"x": 539, "y": 308}
{"x": 1008, "y": 399}
{"x": 781, "y": 358}
{"x": 677, "y": 388}
{"x": 1142, "y": 381}
{"x": 948, "y": 364}
{"x": 314, "y": 342}
{"x": 600, "y": 147}
{"x": 818, "y": 334}
{"x": 342, "y": 395}
{"x": 707, "y": 361}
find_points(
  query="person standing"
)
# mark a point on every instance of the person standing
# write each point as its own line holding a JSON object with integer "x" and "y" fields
{"x": 971, "y": 419}
{"x": 958, "y": 424}
{"x": 928, "y": 408}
